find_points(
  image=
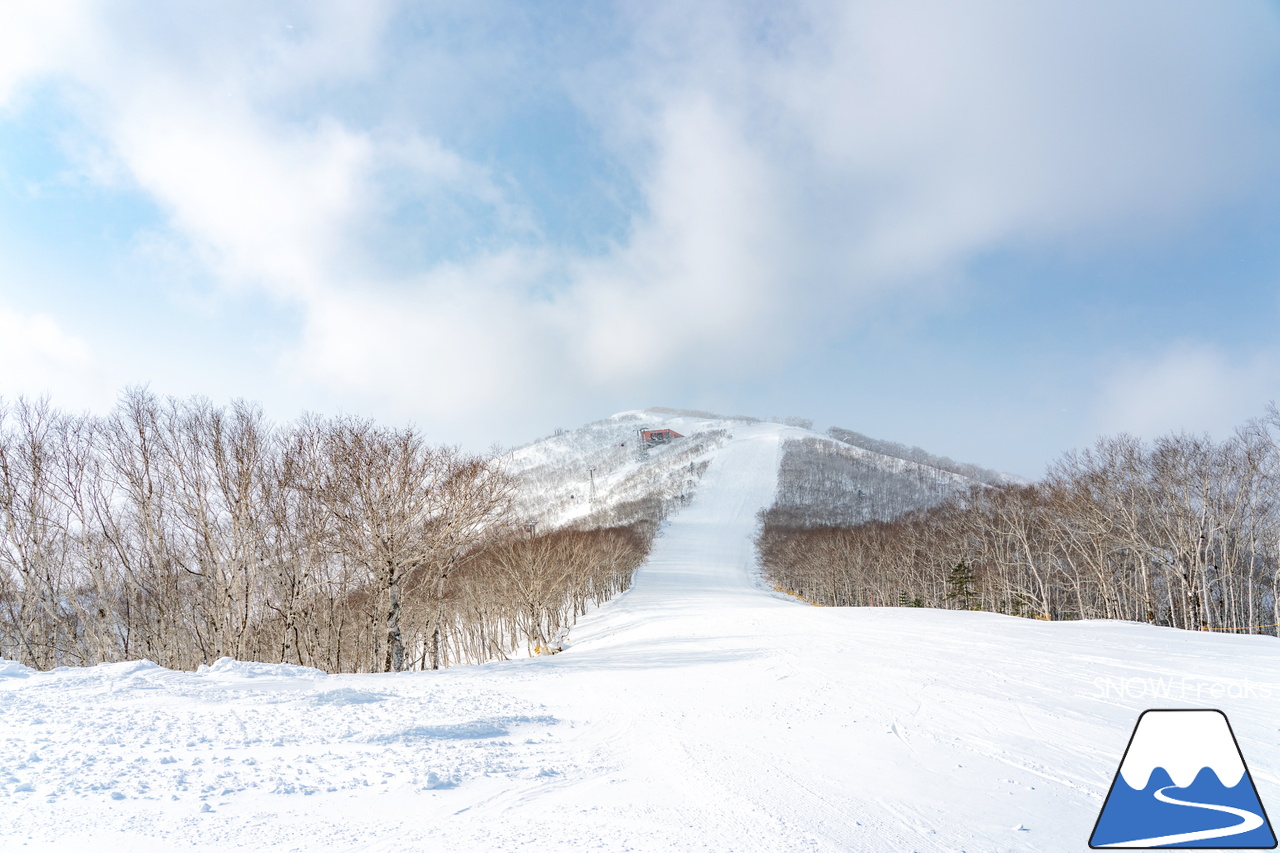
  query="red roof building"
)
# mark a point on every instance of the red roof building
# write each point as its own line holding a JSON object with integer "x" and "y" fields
{"x": 658, "y": 436}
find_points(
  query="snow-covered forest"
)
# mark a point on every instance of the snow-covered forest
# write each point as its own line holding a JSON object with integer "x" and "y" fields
{"x": 182, "y": 532}
{"x": 827, "y": 482}
{"x": 603, "y": 475}
{"x": 694, "y": 709}
{"x": 1180, "y": 532}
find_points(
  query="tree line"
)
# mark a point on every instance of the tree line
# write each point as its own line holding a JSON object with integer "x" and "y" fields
{"x": 182, "y": 532}
{"x": 835, "y": 484}
{"x": 1183, "y": 531}
{"x": 917, "y": 456}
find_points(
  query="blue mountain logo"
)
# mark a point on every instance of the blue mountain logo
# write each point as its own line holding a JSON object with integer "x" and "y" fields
{"x": 1183, "y": 783}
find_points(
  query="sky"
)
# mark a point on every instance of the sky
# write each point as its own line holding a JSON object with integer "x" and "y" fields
{"x": 996, "y": 230}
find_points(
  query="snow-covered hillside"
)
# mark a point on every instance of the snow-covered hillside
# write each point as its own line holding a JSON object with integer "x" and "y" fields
{"x": 698, "y": 711}
{"x": 595, "y": 471}
{"x": 601, "y": 471}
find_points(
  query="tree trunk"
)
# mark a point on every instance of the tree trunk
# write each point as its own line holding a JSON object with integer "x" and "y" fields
{"x": 395, "y": 645}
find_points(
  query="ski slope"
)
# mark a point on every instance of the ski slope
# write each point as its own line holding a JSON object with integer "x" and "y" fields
{"x": 697, "y": 712}
{"x": 593, "y": 471}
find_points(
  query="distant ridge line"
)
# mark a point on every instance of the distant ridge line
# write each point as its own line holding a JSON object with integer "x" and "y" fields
{"x": 699, "y": 413}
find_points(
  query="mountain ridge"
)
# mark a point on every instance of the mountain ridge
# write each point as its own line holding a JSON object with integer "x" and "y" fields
{"x": 601, "y": 473}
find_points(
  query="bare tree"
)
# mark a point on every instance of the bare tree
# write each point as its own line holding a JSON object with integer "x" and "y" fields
{"x": 183, "y": 531}
{"x": 401, "y": 508}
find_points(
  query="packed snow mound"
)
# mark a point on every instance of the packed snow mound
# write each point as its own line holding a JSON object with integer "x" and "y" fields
{"x": 226, "y": 667}
{"x": 347, "y": 696}
{"x": 13, "y": 669}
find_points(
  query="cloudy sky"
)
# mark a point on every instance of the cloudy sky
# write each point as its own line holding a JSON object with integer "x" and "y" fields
{"x": 992, "y": 229}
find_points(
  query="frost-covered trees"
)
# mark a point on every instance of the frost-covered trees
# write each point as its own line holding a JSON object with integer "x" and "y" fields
{"x": 916, "y": 455}
{"x": 603, "y": 476}
{"x": 822, "y": 482}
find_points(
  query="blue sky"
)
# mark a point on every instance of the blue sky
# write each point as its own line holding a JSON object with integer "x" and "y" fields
{"x": 993, "y": 229}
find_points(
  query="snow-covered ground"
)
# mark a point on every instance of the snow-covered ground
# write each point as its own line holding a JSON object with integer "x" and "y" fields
{"x": 696, "y": 712}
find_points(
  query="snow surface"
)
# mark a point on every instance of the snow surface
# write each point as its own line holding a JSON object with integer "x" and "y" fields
{"x": 697, "y": 712}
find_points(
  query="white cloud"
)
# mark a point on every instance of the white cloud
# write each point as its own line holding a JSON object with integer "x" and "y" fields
{"x": 38, "y": 357}
{"x": 952, "y": 128}
{"x": 37, "y": 38}
{"x": 1192, "y": 386}
{"x": 699, "y": 278}
{"x": 795, "y": 164}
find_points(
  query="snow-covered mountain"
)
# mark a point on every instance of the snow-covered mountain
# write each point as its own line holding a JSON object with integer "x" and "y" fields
{"x": 604, "y": 473}
{"x": 698, "y": 711}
